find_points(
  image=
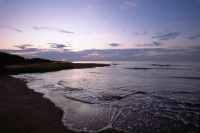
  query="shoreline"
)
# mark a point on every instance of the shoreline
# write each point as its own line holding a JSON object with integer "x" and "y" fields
{"x": 23, "y": 110}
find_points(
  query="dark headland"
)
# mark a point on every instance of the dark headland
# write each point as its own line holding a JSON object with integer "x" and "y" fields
{"x": 14, "y": 64}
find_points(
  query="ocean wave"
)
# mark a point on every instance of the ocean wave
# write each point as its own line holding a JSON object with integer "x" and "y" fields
{"x": 85, "y": 96}
{"x": 147, "y": 68}
{"x": 119, "y": 96}
{"x": 62, "y": 83}
{"x": 96, "y": 72}
{"x": 177, "y": 101}
{"x": 166, "y": 65}
{"x": 197, "y": 78}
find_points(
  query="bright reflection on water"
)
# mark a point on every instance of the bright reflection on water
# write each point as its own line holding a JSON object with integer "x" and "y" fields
{"x": 130, "y": 96}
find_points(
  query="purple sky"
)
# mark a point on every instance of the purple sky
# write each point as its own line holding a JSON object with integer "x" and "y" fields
{"x": 79, "y": 30}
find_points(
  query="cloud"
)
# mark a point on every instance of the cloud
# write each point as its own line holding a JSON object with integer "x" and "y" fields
{"x": 162, "y": 53}
{"x": 194, "y": 47}
{"x": 22, "y": 53}
{"x": 115, "y": 44}
{"x": 54, "y": 29}
{"x": 10, "y": 28}
{"x": 25, "y": 50}
{"x": 137, "y": 33}
{"x": 127, "y": 5}
{"x": 168, "y": 36}
{"x": 58, "y": 46}
{"x": 194, "y": 37}
{"x": 190, "y": 53}
{"x": 157, "y": 43}
{"x": 150, "y": 44}
{"x": 138, "y": 54}
{"x": 150, "y": 53}
{"x": 96, "y": 55}
{"x": 23, "y": 46}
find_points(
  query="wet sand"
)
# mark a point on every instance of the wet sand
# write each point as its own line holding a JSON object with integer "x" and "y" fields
{"x": 23, "y": 110}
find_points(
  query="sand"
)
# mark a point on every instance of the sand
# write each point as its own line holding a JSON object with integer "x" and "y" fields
{"x": 25, "y": 111}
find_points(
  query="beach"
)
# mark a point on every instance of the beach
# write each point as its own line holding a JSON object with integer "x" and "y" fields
{"x": 23, "y": 110}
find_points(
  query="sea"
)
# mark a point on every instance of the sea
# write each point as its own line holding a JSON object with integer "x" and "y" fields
{"x": 127, "y": 96}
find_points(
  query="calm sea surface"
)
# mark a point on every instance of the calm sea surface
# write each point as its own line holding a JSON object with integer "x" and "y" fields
{"x": 128, "y": 96}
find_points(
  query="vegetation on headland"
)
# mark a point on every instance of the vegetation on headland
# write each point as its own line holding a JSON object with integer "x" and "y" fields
{"x": 8, "y": 59}
{"x": 14, "y": 64}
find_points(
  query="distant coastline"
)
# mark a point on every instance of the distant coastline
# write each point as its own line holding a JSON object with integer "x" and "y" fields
{"x": 14, "y": 64}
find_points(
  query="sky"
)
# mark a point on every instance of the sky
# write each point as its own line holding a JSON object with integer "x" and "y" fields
{"x": 101, "y": 30}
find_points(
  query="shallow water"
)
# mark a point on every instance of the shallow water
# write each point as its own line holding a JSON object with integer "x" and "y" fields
{"x": 129, "y": 96}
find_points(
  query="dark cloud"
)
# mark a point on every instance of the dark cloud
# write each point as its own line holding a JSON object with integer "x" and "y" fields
{"x": 188, "y": 53}
{"x": 59, "y": 46}
{"x": 115, "y": 44}
{"x": 55, "y": 29}
{"x": 138, "y": 33}
{"x": 157, "y": 43}
{"x": 23, "y": 46}
{"x": 150, "y": 44}
{"x": 195, "y": 47}
{"x": 168, "y": 36}
{"x": 10, "y": 28}
{"x": 194, "y": 37}
{"x": 64, "y": 31}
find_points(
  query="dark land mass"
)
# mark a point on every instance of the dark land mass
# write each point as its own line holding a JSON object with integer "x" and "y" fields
{"x": 45, "y": 67}
{"x": 14, "y": 64}
{"x": 9, "y": 59}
